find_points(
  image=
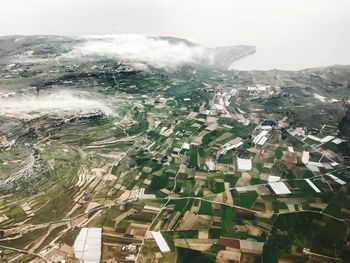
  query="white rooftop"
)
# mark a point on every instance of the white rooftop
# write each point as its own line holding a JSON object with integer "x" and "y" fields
{"x": 314, "y": 138}
{"x": 291, "y": 149}
{"x": 260, "y": 136}
{"x": 280, "y": 188}
{"x": 337, "y": 141}
{"x": 186, "y": 146}
{"x": 266, "y": 127}
{"x": 87, "y": 246}
{"x": 262, "y": 140}
{"x": 273, "y": 178}
{"x": 233, "y": 146}
{"x": 229, "y": 147}
{"x": 244, "y": 164}
{"x": 313, "y": 186}
{"x": 320, "y": 165}
{"x": 162, "y": 244}
{"x": 328, "y": 166}
{"x": 312, "y": 168}
{"x": 336, "y": 179}
{"x": 305, "y": 157}
{"x": 327, "y": 139}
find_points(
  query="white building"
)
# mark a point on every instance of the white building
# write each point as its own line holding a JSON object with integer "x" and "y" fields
{"x": 314, "y": 138}
{"x": 290, "y": 149}
{"x": 280, "y": 188}
{"x": 273, "y": 178}
{"x": 336, "y": 179}
{"x": 261, "y": 138}
{"x": 327, "y": 139}
{"x": 186, "y": 146}
{"x": 338, "y": 141}
{"x": 305, "y": 157}
{"x": 313, "y": 186}
{"x": 244, "y": 164}
{"x": 87, "y": 246}
{"x": 162, "y": 244}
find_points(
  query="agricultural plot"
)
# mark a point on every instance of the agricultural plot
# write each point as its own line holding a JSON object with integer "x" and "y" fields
{"x": 160, "y": 154}
{"x": 247, "y": 199}
{"x": 305, "y": 230}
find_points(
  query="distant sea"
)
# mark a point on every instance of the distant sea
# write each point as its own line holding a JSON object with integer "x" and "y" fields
{"x": 293, "y": 58}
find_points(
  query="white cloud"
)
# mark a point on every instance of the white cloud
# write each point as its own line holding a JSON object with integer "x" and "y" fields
{"x": 61, "y": 102}
{"x": 156, "y": 52}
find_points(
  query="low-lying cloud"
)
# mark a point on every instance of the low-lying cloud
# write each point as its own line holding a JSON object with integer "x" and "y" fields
{"x": 156, "y": 52}
{"x": 60, "y": 103}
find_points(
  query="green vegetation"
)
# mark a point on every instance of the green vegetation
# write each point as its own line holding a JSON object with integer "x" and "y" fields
{"x": 247, "y": 199}
{"x": 226, "y": 158}
{"x": 205, "y": 208}
{"x": 185, "y": 255}
{"x": 159, "y": 182}
{"x": 214, "y": 186}
{"x": 193, "y": 153}
{"x": 261, "y": 168}
{"x": 56, "y": 166}
{"x": 228, "y": 218}
{"x": 322, "y": 234}
{"x": 208, "y": 138}
{"x": 279, "y": 152}
{"x": 25, "y": 239}
{"x": 10, "y": 159}
{"x": 141, "y": 122}
{"x": 339, "y": 207}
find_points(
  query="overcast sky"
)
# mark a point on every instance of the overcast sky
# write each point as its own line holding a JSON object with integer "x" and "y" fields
{"x": 307, "y": 32}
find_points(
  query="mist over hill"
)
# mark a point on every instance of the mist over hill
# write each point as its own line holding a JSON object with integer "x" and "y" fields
{"x": 119, "y": 131}
{"x": 159, "y": 52}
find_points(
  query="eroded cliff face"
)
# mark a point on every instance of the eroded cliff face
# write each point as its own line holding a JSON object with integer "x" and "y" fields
{"x": 344, "y": 124}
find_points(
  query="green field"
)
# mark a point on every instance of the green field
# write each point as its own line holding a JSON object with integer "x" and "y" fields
{"x": 247, "y": 199}
{"x": 320, "y": 233}
{"x": 205, "y": 208}
{"x": 228, "y": 218}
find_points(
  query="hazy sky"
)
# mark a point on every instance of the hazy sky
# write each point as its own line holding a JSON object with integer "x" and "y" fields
{"x": 287, "y": 33}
